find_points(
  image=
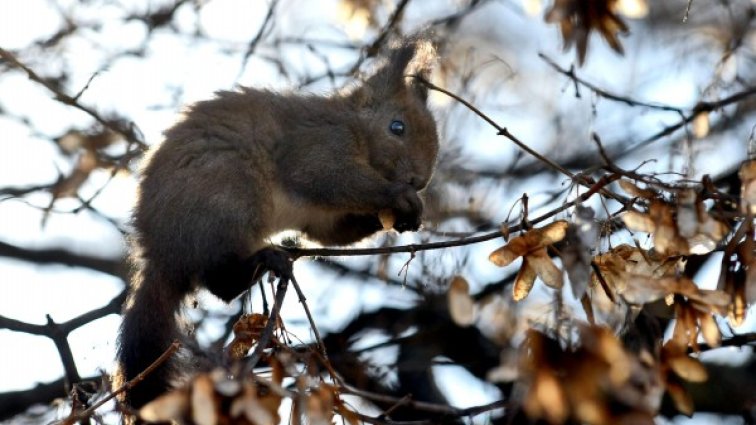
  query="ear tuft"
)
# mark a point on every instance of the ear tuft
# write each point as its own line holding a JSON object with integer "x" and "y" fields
{"x": 420, "y": 66}
{"x": 413, "y": 58}
{"x": 423, "y": 58}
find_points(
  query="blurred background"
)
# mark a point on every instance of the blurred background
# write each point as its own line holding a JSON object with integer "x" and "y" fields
{"x": 86, "y": 87}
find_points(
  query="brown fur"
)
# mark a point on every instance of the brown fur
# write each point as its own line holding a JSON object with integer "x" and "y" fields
{"x": 248, "y": 164}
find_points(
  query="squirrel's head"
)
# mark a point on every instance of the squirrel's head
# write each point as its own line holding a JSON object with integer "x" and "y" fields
{"x": 401, "y": 136}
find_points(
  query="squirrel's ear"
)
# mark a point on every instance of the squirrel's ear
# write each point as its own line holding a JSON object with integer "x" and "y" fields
{"x": 412, "y": 59}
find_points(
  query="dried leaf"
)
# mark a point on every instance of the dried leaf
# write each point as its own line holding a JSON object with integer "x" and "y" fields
{"x": 351, "y": 417}
{"x": 680, "y": 397}
{"x": 547, "y": 399}
{"x": 249, "y": 407}
{"x": 747, "y": 175}
{"x": 685, "y": 327}
{"x": 358, "y": 16}
{"x": 667, "y": 240}
{"x": 637, "y": 192}
{"x": 505, "y": 255}
{"x": 638, "y": 221}
{"x": 577, "y": 18}
{"x": 170, "y": 406}
{"x": 545, "y": 268}
{"x": 709, "y": 300}
{"x": 507, "y": 370}
{"x": 247, "y": 331}
{"x": 643, "y": 289}
{"x": 524, "y": 281}
{"x": 552, "y": 233}
{"x": 709, "y": 329}
{"x": 203, "y": 401}
{"x": 319, "y": 405}
{"x": 461, "y": 305}
{"x": 69, "y": 185}
{"x": 688, "y": 368}
{"x": 528, "y": 242}
{"x": 701, "y": 125}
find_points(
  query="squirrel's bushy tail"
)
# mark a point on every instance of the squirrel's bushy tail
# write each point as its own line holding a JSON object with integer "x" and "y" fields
{"x": 149, "y": 327}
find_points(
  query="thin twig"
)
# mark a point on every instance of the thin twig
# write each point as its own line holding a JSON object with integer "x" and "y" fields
{"x": 267, "y": 333}
{"x": 303, "y": 301}
{"x": 570, "y": 73}
{"x": 125, "y": 387}
{"x": 252, "y": 46}
{"x": 425, "y": 406}
{"x": 344, "y": 252}
{"x": 128, "y": 133}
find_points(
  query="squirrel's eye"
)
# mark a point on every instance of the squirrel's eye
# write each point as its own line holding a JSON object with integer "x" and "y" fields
{"x": 397, "y": 127}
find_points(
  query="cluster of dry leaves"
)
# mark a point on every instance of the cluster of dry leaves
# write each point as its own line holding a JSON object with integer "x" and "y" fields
{"x": 590, "y": 376}
{"x": 578, "y": 18}
{"x": 230, "y": 397}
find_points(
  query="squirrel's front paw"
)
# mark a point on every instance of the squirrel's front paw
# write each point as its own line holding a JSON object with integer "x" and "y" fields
{"x": 272, "y": 260}
{"x": 407, "y": 208}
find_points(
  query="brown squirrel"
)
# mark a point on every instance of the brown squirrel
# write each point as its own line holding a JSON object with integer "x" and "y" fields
{"x": 248, "y": 164}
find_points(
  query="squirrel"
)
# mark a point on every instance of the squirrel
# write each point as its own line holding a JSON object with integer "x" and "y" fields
{"x": 248, "y": 164}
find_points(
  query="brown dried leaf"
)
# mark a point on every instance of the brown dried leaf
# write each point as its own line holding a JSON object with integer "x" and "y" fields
{"x": 709, "y": 329}
{"x": 69, "y": 185}
{"x": 688, "y": 368}
{"x": 505, "y": 255}
{"x": 461, "y": 305}
{"x": 577, "y": 18}
{"x": 547, "y": 399}
{"x": 545, "y": 268}
{"x": 247, "y": 331}
{"x": 249, "y": 407}
{"x": 643, "y": 289}
{"x": 710, "y": 300}
{"x": 528, "y": 242}
{"x": 552, "y": 233}
{"x": 667, "y": 240}
{"x": 169, "y": 406}
{"x": 701, "y": 125}
{"x": 747, "y": 176}
{"x": 359, "y": 15}
{"x": 738, "y": 307}
{"x": 685, "y": 327}
{"x": 637, "y": 192}
{"x": 524, "y": 281}
{"x": 603, "y": 344}
{"x": 351, "y": 417}
{"x": 680, "y": 397}
{"x": 203, "y": 401}
{"x": 638, "y": 221}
